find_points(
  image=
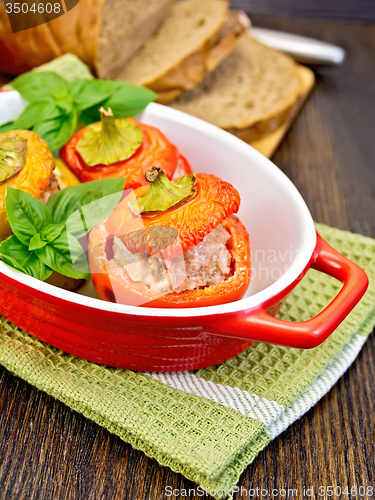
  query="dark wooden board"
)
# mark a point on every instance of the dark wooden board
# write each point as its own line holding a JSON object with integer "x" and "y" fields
{"x": 350, "y": 9}
{"x": 49, "y": 452}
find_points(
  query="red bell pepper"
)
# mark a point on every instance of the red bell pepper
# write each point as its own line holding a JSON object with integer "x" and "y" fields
{"x": 156, "y": 149}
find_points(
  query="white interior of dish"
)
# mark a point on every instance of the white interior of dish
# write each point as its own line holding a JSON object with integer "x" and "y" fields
{"x": 281, "y": 229}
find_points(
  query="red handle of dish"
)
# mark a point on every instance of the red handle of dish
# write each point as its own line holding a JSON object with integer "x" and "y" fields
{"x": 260, "y": 326}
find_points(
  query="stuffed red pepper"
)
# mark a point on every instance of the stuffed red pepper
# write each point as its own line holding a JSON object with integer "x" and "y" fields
{"x": 121, "y": 147}
{"x": 172, "y": 244}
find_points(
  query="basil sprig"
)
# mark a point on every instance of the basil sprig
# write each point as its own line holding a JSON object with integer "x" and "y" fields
{"x": 55, "y": 105}
{"x": 45, "y": 237}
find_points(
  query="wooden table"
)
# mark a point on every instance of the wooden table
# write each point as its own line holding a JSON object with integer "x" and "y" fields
{"x": 49, "y": 452}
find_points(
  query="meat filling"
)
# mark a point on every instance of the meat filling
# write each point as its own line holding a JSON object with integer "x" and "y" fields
{"x": 51, "y": 189}
{"x": 206, "y": 264}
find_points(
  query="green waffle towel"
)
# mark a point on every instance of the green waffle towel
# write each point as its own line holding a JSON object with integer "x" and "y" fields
{"x": 210, "y": 424}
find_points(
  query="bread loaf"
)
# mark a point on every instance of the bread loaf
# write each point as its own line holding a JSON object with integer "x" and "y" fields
{"x": 250, "y": 94}
{"x": 190, "y": 43}
{"x": 102, "y": 33}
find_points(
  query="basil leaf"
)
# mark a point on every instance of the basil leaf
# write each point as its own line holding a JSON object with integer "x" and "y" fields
{"x": 53, "y": 231}
{"x": 41, "y": 86}
{"x": 87, "y": 93}
{"x": 66, "y": 104}
{"x": 36, "y": 112}
{"x": 37, "y": 242}
{"x": 14, "y": 253}
{"x": 66, "y": 202}
{"x": 6, "y": 127}
{"x": 60, "y": 255}
{"x": 27, "y": 216}
{"x": 48, "y": 234}
{"x": 129, "y": 100}
{"x": 91, "y": 115}
{"x": 78, "y": 254}
{"x": 58, "y": 131}
{"x": 126, "y": 100}
{"x": 90, "y": 215}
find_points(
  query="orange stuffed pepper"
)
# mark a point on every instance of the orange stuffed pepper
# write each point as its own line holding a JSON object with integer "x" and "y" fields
{"x": 26, "y": 164}
{"x": 121, "y": 148}
{"x": 172, "y": 244}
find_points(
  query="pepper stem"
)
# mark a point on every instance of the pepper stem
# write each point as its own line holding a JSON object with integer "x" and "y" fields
{"x": 109, "y": 141}
{"x": 12, "y": 156}
{"x": 109, "y": 128}
{"x": 152, "y": 174}
{"x": 163, "y": 194}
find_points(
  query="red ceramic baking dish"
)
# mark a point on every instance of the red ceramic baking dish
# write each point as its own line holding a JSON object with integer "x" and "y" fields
{"x": 284, "y": 245}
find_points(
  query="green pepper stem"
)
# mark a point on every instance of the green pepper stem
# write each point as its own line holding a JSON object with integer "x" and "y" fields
{"x": 163, "y": 194}
{"x": 109, "y": 128}
{"x": 109, "y": 141}
{"x": 12, "y": 156}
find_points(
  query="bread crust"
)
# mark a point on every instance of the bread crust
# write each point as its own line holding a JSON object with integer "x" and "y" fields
{"x": 262, "y": 128}
{"x": 76, "y": 32}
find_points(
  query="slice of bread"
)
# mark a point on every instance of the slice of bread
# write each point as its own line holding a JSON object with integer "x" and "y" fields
{"x": 194, "y": 39}
{"x": 102, "y": 33}
{"x": 124, "y": 27}
{"x": 268, "y": 144}
{"x": 250, "y": 94}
